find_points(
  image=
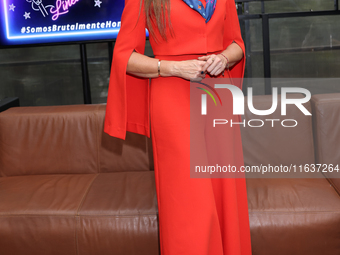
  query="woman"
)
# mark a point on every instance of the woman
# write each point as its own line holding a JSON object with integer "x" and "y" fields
{"x": 191, "y": 41}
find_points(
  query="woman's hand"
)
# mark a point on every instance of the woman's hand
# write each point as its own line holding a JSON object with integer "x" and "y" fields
{"x": 189, "y": 69}
{"x": 215, "y": 64}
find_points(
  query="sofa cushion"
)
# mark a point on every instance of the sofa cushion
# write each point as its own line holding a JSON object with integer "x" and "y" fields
{"x": 119, "y": 214}
{"x": 79, "y": 214}
{"x": 301, "y": 213}
{"x": 66, "y": 140}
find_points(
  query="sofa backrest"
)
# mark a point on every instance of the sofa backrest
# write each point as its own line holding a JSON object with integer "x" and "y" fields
{"x": 70, "y": 139}
{"x": 66, "y": 140}
{"x": 277, "y": 145}
{"x": 326, "y": 120}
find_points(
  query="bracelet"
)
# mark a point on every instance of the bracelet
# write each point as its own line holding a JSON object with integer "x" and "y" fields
{"x": 159, "y": 68}
{"x": 227, "y": 66}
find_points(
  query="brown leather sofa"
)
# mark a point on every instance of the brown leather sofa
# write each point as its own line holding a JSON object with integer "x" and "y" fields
{"x": 295, "y": 215}
{"x": 68, "y": 188}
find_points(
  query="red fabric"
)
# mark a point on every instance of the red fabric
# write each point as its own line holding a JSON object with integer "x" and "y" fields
{"x": 201, "y": 216}
{"x": 196, "y": 215}
{"x": 128, "y": 97}
{"x": 127, "y": 106}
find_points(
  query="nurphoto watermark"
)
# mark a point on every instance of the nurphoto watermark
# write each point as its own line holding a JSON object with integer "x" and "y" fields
{"x": 238, "y": 131}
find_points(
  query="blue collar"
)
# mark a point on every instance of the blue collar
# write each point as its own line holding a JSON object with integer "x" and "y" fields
{"x": 206, "y": 12}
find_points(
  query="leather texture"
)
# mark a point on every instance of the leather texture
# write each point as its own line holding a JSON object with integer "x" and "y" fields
{"x": 66, "y": 140}
{"x": 68, "y": 188}
{"x": 274, "y": 145}
{"x": 326, "y": 112}
{"x": 293, "y": 216}
{"x": 300, "y": 214}
{"x": 79, "y": 214}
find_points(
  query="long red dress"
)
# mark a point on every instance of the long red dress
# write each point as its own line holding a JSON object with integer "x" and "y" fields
{"x": 196, "y": 216}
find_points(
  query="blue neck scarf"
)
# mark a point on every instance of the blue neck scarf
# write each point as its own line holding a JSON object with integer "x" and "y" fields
{"x": 206, "y": 12}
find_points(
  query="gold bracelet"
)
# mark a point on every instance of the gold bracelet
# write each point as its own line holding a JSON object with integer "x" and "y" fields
{"x": 159, "y": 68}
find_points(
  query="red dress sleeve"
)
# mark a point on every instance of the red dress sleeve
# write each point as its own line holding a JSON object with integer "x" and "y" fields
{"x": 232, "y": 32}
{"x": 127, "y": 107}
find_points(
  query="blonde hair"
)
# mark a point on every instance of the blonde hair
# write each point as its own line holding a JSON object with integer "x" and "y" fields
{"x": 157, "y": 13}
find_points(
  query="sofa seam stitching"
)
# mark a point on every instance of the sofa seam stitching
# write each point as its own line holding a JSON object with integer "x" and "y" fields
{"x": 317, "y": 130}
{"x": 295, "y": 212}
{"x": 98, "y": 141}
{"x": 85, "y": 194}
{"x": 76, "y": 235}
{"x": 321, "y": 155}
{"x": 334, "y": 187}
{"x": 85, "y": 215}
{"x": 156, "y": 166}
{"x": 311, "y": 133}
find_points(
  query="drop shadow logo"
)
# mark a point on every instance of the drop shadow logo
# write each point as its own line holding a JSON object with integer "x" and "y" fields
{"x": 204, "y": 97}
{"x": 238, "y": 104}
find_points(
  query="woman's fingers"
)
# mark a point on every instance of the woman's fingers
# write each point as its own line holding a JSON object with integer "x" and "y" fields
{"x": 217, "y": 66}
{"x": 216, "y": 71}
{"x": 204, "y": 58}
{"x": 192, "y": 69}
{"x": 197, "y": 69}
{"x": 201, "y": 71}
{"x": 214, "y": 64}
{"x": 209, "y": 61}
{"x": 200, "y": 74}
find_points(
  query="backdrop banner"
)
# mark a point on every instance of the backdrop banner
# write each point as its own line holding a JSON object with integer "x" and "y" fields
{"x": 53, "y": 21}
